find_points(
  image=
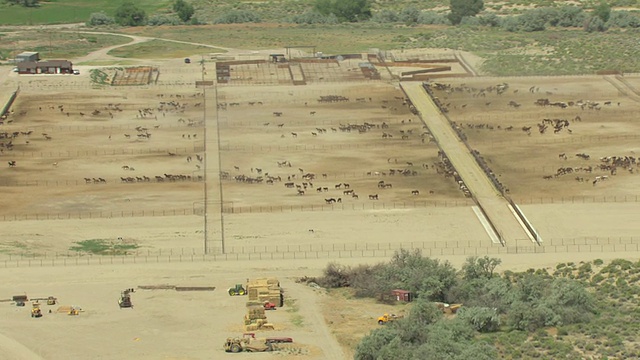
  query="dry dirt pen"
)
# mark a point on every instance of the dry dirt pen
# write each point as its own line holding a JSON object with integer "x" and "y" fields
{"x": 102, "y": 154}
{"x": 546, "y": 165}
{"x": 281, "y": 134}
{"x": 290, "y": 136}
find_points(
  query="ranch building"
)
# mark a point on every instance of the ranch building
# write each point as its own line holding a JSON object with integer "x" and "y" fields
{"x": 27, "y": 56}
{"x": 45, "y": 67}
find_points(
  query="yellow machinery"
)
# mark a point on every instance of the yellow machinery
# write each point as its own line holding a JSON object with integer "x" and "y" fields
{"x": 74, "y": 311}
{"x": 51, "y": 300}
{"x": 36, "y": 312}
{"x": 248, "y": 343}
{"x": 388, "y": 318}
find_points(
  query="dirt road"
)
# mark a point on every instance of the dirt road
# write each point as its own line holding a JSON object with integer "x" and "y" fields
{"x": 494, "y": 204}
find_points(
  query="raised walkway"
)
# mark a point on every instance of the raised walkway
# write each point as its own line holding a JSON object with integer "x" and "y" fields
{"x": 496, "y": 208}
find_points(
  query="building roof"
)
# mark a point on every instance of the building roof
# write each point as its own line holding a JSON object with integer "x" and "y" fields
{"x": 43, "y": 64}
{"x": 28, "y": 53}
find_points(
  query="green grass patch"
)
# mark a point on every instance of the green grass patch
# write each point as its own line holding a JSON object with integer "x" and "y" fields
{"x": 291, "y": 307}
{"x": 57, "y": 44}
{"x": 549, "y": 52}
{"x": 69, "y": 11}
{"x": 159, "y": 49}
{"x": 107, "y": 63}
{"x": 99, "y": 77}
{"x": 102, "y": 247}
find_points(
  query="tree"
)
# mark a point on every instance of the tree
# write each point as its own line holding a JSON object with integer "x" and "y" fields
{"x": 128, "y": 14}
{"x": 184, "y": 10}
{"x": 475, "y": 267}
{"x": 345, "y": 10}
{"x": 603, "y": 11}
{"x": 462, "y": 8}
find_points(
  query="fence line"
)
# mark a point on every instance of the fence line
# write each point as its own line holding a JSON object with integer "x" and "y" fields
{"x": 328, "y": 251}
{"x": 107, "y": 152}
{"x": 98, "y": 214}
{"x": 53, "y": 128}
{"x": 314, "y": 147}
{"x": 371, "y": 205}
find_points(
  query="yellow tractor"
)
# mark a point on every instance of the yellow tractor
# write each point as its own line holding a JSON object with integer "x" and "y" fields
{"x": 36, "y": 312}
{"x": 51, "y": 300}
{"x": 386, "y": 318}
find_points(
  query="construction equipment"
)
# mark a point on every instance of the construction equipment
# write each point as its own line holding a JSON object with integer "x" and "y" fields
{"x": 125, "y": 299}
{"x": 74, "y": 311}
{"x": 448, "y": 308}
{"x": 248, "y": 344}
{"x": 237, "y": 290}
{"x": 36, "y": 312}
{"x": 51, "y": 300}
{"x": 388, "y": 318}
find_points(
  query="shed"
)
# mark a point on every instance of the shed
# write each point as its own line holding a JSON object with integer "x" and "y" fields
{"x": 45, "y": 67}
{"x": 28, "y": 56}
{"x": 277, "y": 58}
{"x": 402, "y": 295}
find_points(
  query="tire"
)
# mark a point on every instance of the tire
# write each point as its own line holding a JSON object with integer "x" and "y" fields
{"x": 241, "y": 292}
{"x": 380, "y": 322}
{"x": 235, "y": 348}
{"x": 232, "y": 292}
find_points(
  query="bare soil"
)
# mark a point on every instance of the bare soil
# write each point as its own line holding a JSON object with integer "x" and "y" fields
{"x": 48, "y": 181}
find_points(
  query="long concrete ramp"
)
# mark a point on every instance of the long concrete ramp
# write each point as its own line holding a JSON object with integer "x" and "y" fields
{"x": 495, "y": 206}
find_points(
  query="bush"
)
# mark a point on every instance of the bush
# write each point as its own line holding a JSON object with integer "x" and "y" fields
{"x": 335, "y": 276}
{"x": 482, "y": 319}
{"x": 237, "y": 17}
{"x": 345, "y": 10}
{"x": 184, "y": 10}
{"x": 433, "y": 18}
{"x": 314, "y": 17}
{"x": 385, "y": 16}
{"x": 100, "y": 19}
{"x": 622, "y": 19}
{"x": 410, "y": 15}
{"x": 157, "y": 20}
{"x": 490, "y": 19}
{"x": 128, "y": 14}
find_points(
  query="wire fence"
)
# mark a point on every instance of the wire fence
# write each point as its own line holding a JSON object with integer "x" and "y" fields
{"x": 326, "y": 251}
{"x": 368, "y": 205}
{"x": 98, "y": 214}
{"x": 107, "y": 152}
{"x": 290, "y": 208}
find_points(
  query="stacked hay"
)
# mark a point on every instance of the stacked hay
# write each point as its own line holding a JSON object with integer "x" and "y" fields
{"x": 255, "y": 318}
{"x": 265, "y": 289}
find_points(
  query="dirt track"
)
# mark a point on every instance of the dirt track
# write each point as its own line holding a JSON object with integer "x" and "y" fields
{"x": 493, "y": 203}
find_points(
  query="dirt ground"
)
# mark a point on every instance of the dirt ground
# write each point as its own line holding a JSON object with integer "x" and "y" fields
{"x": 59, "y": 152}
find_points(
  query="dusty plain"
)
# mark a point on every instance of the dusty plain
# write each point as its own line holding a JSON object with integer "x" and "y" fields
{"x": 72, "y": 134}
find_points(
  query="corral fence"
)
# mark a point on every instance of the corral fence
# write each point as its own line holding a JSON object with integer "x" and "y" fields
{"x": 370, "y": 205}
{"x": 363, "y": 206}
{"x": 327, "y": 251}
{"x": 107, "y": 152}
{"x": 98, "y": 214}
